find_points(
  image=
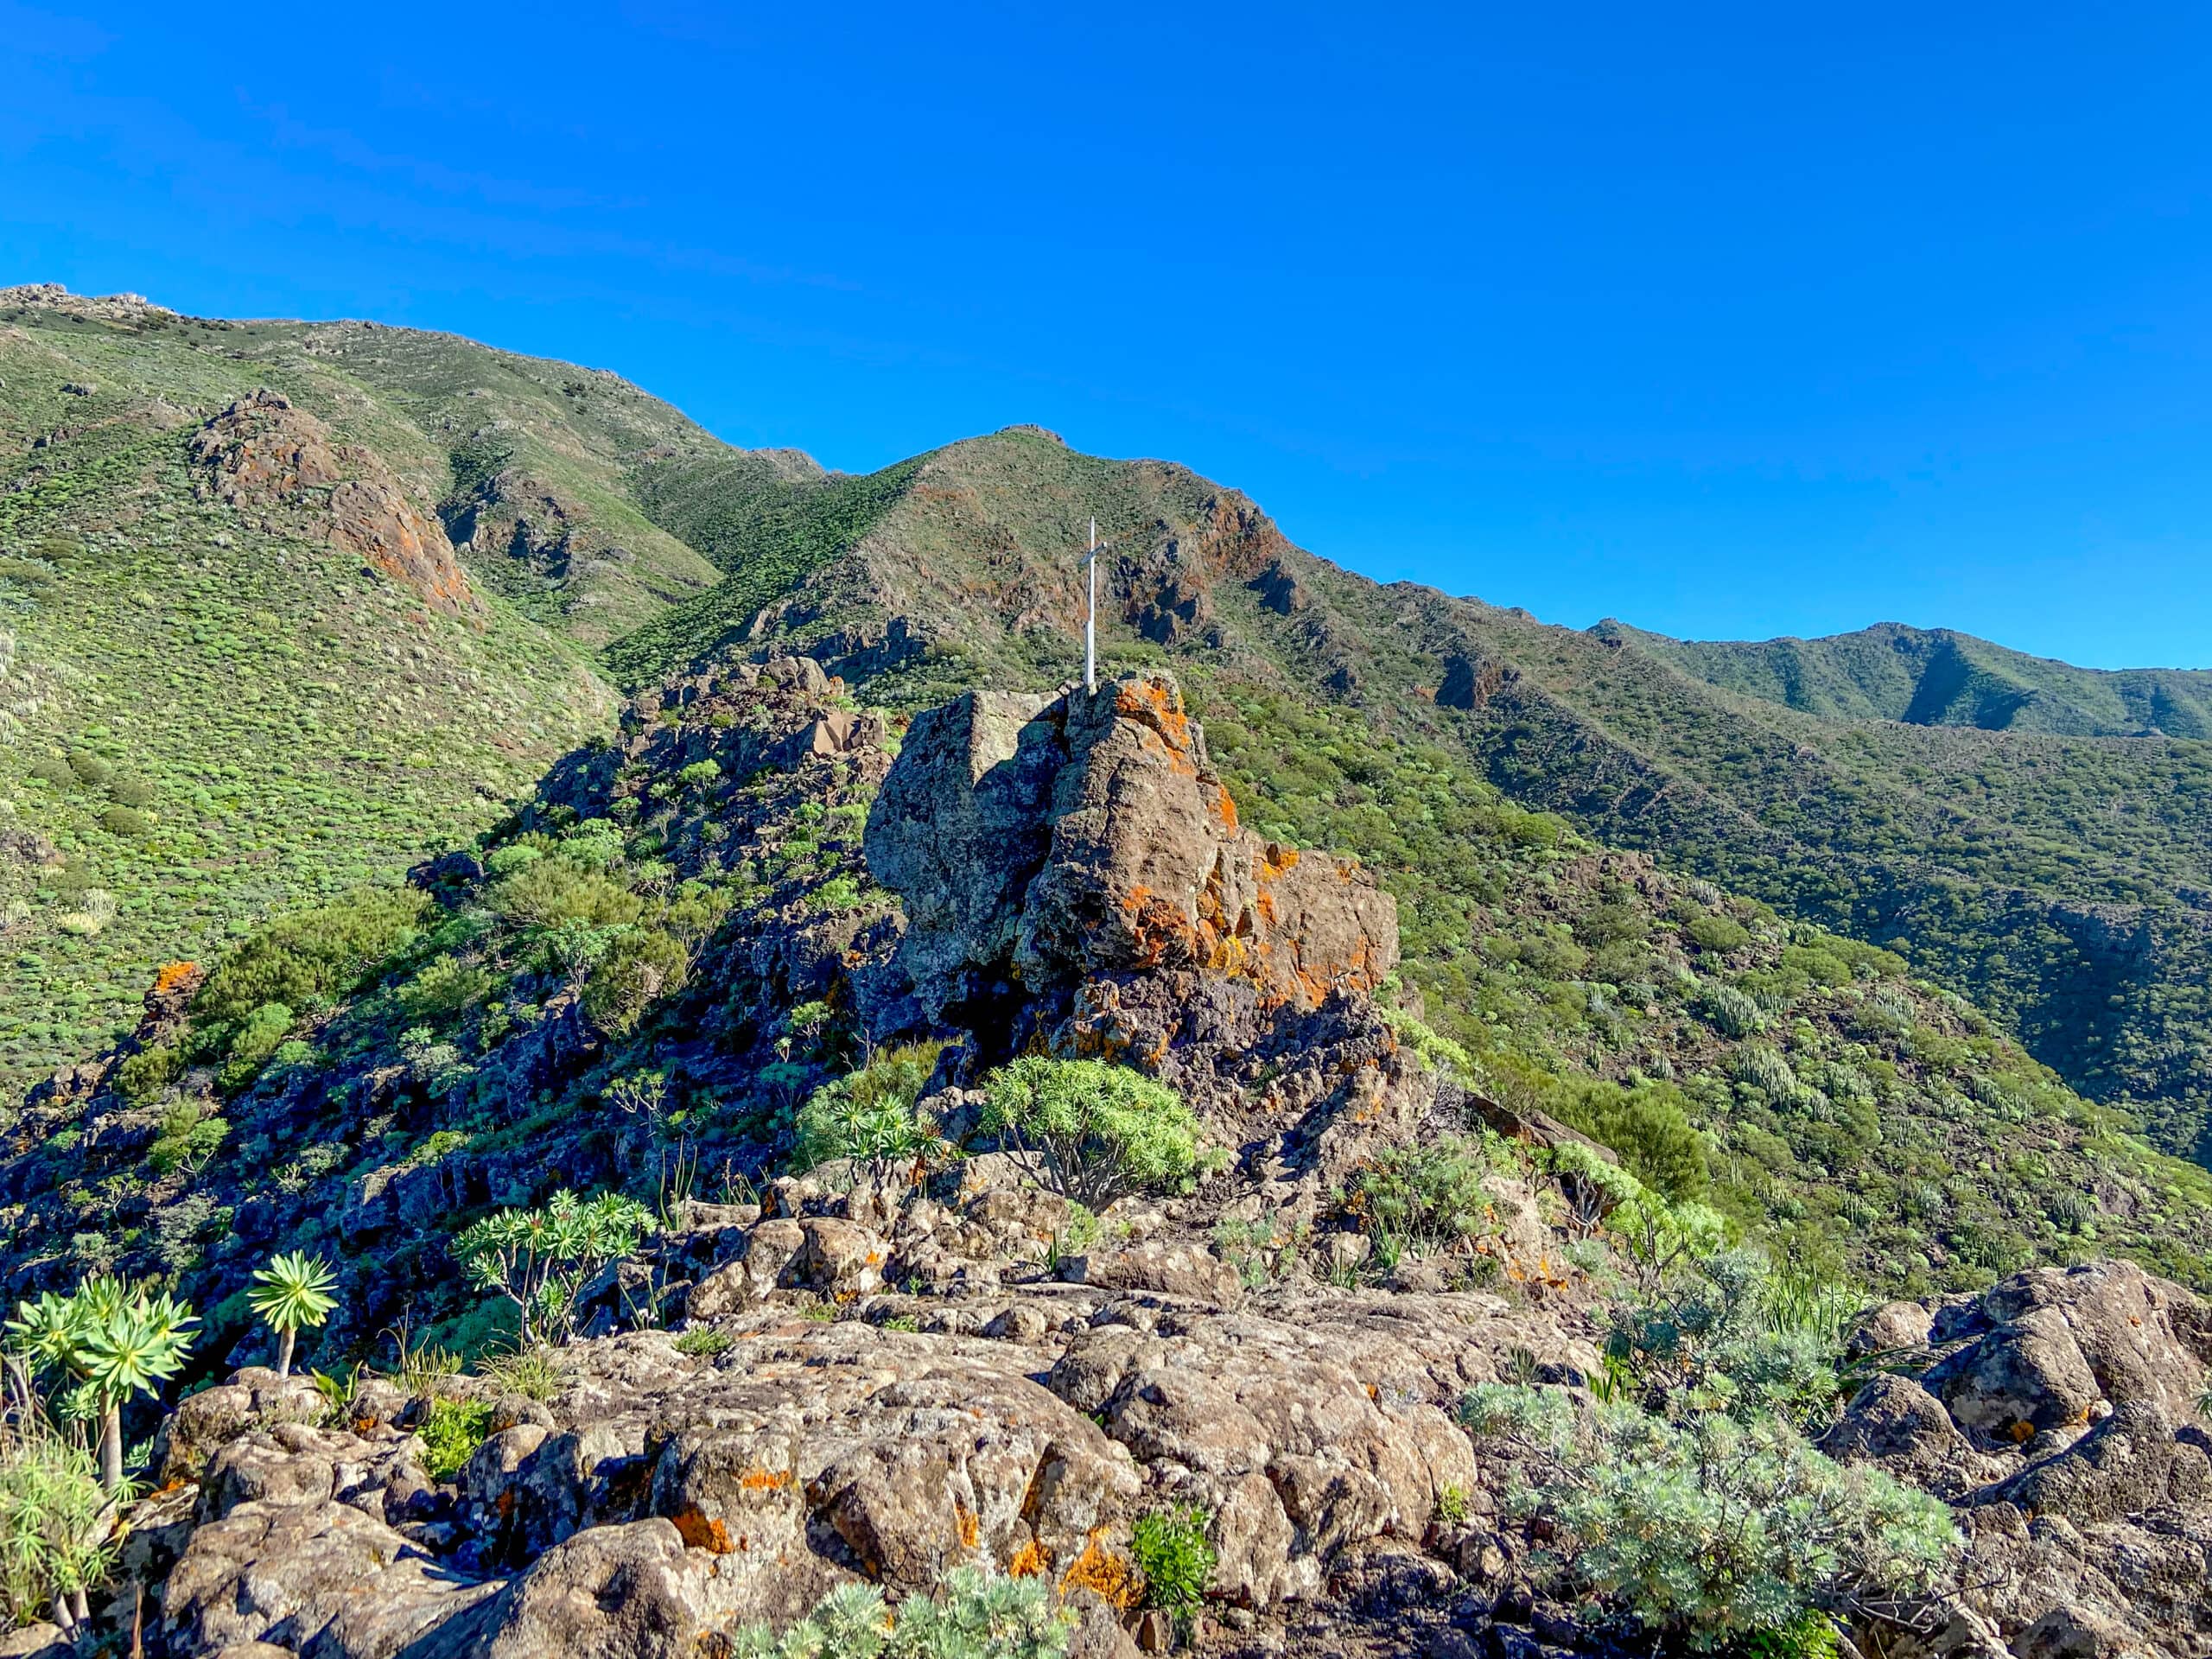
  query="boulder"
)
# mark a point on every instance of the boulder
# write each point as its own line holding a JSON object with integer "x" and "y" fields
{"x": 2052, "y": 1343}
{"x": 316, "y": 1578}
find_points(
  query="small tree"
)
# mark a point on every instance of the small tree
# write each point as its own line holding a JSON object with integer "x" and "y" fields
{"x": 539, "y": 1259}
{"x": 112, "y": 1341}
{"x": 295, "y": 1291}
{"x": 1092, "y": 1132}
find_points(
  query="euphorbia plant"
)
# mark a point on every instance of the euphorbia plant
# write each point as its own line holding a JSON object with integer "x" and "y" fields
{"x": 293, "y": 1291}
{"x": 112, "y": 1341}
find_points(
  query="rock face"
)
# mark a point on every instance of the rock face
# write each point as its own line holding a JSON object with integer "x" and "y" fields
{"x": 264, "y": 455}
{"x": 1044, "y": 843}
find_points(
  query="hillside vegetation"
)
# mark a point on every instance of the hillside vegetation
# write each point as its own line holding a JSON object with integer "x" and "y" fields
{"x": 2053, "y": 870}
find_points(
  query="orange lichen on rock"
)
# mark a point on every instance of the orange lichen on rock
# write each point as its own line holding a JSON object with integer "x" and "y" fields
{"x": 699, "y": 1532}
{"x": 1031, "y": 1560}
{"x": 171, "y": 976}
{"x": 1113, "y": 1579}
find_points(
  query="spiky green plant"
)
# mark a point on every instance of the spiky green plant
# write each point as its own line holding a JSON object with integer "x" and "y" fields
{"x": 111, "y": 1341}
{"x": 57, "y": 1540}
{"x": 293, "y": 1291}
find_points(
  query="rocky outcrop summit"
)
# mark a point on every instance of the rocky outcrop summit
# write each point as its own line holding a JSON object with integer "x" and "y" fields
{"x": 266, "y": 457}
{"x": 1039, "y": 843}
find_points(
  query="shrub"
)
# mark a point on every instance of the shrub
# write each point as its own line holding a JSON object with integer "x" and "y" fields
{"x": 451, "y": 1430}
{"x": 639, "y": 964}
{"x": 56, "y": 1544}
{"x": 1429, "y": 1196}
{"x": 254, "y": 1042}
{"x": 1090, "y": 1131}
{"x": 189, "y": 1137}
{"x": 539, "y": 1259}
{"x": 1721, "y": 933}
{"x": 327, "y": 953}
{"x": 868, "y": 1115}
{"x": 980, "y": 1616}
{"x": 1176, "y": 1559}
{"x": 126, "y": 821}
{"x": 1648, "y": 1127}
{"x": 141, "y": 1078}
{"x": 1711, "y": 1531}
{"x": 443, "y": 991}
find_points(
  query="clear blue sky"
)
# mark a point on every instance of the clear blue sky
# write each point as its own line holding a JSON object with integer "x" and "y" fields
{"x": 1726, "y": 320}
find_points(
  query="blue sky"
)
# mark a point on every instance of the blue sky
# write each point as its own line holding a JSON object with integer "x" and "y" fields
{"x": 1727, "y": 322}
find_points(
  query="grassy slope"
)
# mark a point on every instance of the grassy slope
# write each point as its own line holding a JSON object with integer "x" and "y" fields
{"x": 289, "y": 725}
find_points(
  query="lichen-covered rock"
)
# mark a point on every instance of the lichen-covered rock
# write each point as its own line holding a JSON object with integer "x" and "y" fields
{"x": 1048, "y": 842}
{"x": 265, "y": 454}
{"x": 2051, "y": 1343}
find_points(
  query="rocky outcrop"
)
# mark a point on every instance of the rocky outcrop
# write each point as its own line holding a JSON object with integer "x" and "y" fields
{"x": 265, "y": 456}
{"x": 1043, "y": 843}
{"x": 2059, "y": 1414}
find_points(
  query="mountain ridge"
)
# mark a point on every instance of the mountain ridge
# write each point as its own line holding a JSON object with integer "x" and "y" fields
{"x": 2060, "y": 878}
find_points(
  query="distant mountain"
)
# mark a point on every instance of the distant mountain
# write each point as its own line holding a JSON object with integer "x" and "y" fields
{"x": 1933, "y": 676}
{"x": 2000, "y": 820}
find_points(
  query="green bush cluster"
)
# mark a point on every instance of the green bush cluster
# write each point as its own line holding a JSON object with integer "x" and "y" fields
{"x": 975, "y": 1614}
{"x": 1174, "y": 1549}
{"x": 1090, "y": 1131}
{"x": 1714, "y": 1531}
{"x": 867, "y": 1116}
{"x": 451, "y": 1430}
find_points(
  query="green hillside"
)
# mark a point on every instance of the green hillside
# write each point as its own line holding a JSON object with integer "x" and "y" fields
{"x": 1938, "y": 678}
{"x": 1983, "y": 814}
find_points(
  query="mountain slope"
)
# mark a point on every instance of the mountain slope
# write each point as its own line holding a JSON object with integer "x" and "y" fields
{"x": 1938, "y": 677}
{"x": 2061, "y": 880}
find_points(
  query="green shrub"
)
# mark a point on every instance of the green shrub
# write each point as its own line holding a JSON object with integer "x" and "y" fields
{"x": 1090, "y": 1131}
{"x": 1648, "y": 1127}
{"x": 126, "y": 821}
{"x": 323, "y": 953}
{"x": 141, "y": 1078}
{"x": 252, "y": 1045}
{"x": 1171, "y": 1548}
{"x": 639, "y": 965}
{"x": 56, "y": 1544}
{"x": 1430, "y": 1196}
{"x": 189, "y": 1135}
{"x": 1722, "y": 933}
{"x": 130, "y": 791}
{"x": 868, "y": 1115}
{"x": 451, "y": 1430}
{"x": 447, "y": 989}
{"x": 1710, "y": 1531}
{"x": 975, "y": 1615}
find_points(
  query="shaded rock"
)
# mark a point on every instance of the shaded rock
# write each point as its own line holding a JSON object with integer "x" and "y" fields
{"x": 1894, "y": 1422}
